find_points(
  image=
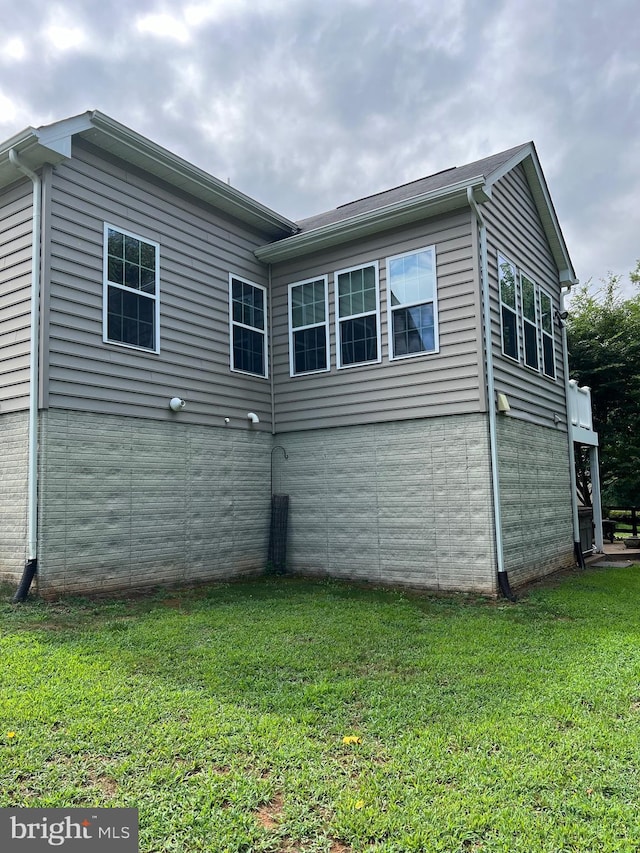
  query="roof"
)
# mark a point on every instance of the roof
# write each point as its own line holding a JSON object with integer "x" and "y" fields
{"x": 430, "y": 196}
{"x": 52, "y": 144}
{"x": 412, "y": 190}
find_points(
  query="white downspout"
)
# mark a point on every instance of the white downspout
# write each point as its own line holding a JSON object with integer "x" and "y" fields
{"x": 34, "y": 359}
{"x": 270, "y": 345}
{"x": 486, "y": 311}
{"x": 572, "y": 459}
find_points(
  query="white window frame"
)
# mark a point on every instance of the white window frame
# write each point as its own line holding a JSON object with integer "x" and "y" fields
{"x": 551, "y": 335}
{"x": 233, "y": 323}
{"x": 503, "y": 258}
{"x": 536, "y": 322}
{"x": 392, "y": 308}
{"x": 325, "y": 281}
{"x": 375, "y": 313}
{"x": 106, "y": 284}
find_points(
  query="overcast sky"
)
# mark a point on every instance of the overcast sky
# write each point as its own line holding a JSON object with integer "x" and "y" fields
{"x": 307, "y": 104}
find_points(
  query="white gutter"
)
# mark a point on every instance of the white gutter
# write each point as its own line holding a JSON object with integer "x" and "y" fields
{"x": 185, "y": 175}
{"x": 367, "y": 222}
{"x": 491, "y": 403}
{"x": 34, "y": 358}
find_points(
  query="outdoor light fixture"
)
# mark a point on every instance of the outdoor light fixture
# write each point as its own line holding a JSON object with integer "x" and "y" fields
{"x": 176, "y": 404}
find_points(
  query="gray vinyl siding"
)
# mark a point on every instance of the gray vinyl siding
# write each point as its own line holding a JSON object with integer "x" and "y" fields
{"x": 198, "y": 250}
{"x": 429, "y": 385}
{"x": 16, "y": 204}
{"x": 515, "y": 230}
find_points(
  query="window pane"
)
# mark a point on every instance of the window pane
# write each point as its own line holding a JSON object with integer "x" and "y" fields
{"x": 115, "y": 271}
{"x": 412, "y": 278}
{"x": 130, "y": 318}
{"x": 413, "y": 330}
{"x": 307, "y": 304}
{"x": 247, "y": 304}
{"x": 507, "y": 275}
{"x": 147, "y": 280}
{"x": 528, "y": 299}
{"x": 132, "y": 276}
{"x": 148, "y": 256}
{"x": 357, "y": 291}
{"x": 509, "y": 333}
{"x": 358, "y": 340}
{"x": 530, "y": 345}
{"x": 545, "y": 311}
{"x": 132, "y": 249}
{"x": 248, "y": 350}
{"x": 548, "y": 356}
{"x": 309, "y": 350}
{"x": 115, "y": 243}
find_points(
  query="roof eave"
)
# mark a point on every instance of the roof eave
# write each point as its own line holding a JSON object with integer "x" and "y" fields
{"x": 34, "y": 151}
{"x": 110, "y": 135}
{"x": 528, "y": 156}
{"x": 384, "y": 218}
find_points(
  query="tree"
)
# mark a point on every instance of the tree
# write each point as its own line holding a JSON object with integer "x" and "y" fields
{"x": 603, "y": 334}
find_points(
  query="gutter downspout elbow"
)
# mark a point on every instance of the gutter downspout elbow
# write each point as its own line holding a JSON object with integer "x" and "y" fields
{"x": 503, "y": 578}
{"x": 34, "y": 362}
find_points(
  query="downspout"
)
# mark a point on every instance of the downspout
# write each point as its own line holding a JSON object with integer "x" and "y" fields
{"x": 577, "y": 547}
{"x": 503, "y": 578}
{"x": 273, "y": 399}
{"x": 31, "y": 565}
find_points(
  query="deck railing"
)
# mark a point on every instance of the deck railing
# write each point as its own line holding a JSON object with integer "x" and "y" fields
{"x": 580, "y": 406}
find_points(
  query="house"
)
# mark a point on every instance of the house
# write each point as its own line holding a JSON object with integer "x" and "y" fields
{"x": 161, "y": 334}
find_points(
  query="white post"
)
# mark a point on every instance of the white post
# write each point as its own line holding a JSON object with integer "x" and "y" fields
{"x": 595, "y": 497}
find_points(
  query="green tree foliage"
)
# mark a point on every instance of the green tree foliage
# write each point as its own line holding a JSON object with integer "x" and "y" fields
{"x": 603, "y": 333}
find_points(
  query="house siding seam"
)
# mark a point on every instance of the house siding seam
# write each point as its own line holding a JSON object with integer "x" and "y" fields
{"x": 130, "y": 502}
{"x": 13, "y": 494}
{"x": 406, "y": 503}
{"x": 535, "y": 499}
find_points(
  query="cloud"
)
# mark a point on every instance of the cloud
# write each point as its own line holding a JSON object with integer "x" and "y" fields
{"x": 305, "y": 105}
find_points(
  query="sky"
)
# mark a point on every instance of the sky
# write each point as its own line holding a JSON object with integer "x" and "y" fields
{"x": 307, "y": 104}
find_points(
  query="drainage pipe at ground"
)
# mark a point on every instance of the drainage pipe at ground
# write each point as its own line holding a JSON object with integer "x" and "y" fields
{"x": 34, "y": 358}
{"x": 503, "y": 578}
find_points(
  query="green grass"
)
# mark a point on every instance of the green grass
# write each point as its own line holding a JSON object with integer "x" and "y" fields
{"x": 220, "y": 714}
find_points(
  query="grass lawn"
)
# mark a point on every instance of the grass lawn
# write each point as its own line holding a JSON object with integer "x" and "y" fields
{"x": 221, "y": 713}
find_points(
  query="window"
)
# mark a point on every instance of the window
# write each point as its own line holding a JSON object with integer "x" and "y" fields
{"x": 247, "y": 308}
{"x": 131, "y": 309}
{"x": 411, "y": 289}
{"x": 508, "y": 307}
{"x": 308, "y": 326}
{"x": 526, "y": 310}
{"x": 529, "y": 322}
{"x": 357, "y": 316}
{"x": 546, "y": 323}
